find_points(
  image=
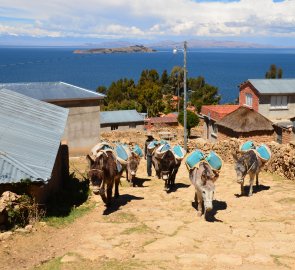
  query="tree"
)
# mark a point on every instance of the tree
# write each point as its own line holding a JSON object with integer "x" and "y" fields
{"x": 274, "y": 73}
{"x": 202, "y": 93}
{"x": 164, "y": 77}
{"x": 192, "y": 120}
{"x": 176, "y": 79}
{"x": 101, "y": 89}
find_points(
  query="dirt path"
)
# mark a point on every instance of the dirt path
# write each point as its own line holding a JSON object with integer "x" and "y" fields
{"x": 150, "y": 229}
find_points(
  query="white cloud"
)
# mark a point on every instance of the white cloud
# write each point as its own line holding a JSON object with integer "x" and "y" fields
{"x": 149, "y": 19}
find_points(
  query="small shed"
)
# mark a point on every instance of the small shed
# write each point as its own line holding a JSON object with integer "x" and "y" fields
{"x": 30, "y": 135}
{"x": 84, "y": 107}
{"x": 121, "y": 120}
{"x": 245, "y": 123}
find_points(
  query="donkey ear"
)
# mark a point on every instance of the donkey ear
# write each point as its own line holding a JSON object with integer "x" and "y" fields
{"x": 235, "y": 157}
{"x": 90, "y": 161}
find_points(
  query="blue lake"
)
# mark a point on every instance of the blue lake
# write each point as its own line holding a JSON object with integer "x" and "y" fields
{"x": 224, "y": 68}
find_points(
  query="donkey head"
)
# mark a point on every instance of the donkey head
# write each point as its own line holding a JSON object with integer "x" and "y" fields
{"x": 208, "y": 178}
{"x": 167, "y": 163}
{"x": 132, "y": 164}
{"x": 95, "y": 173}
{"x": 241, "y": 167}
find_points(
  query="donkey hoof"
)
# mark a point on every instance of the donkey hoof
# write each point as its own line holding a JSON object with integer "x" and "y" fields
{"x": 199, "y": 213}
{"x": 250, "y": 194}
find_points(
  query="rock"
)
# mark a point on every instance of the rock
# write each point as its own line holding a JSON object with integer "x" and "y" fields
{"x": 29, "y": 228}
{"x": 68, "y": 258}
{"x": 233, "y": 260}
{"x": 5, "y": 235}
{"x": 21, "y": 230}
{"x": 259, "y": 259}
{"x": 193, "y": 258}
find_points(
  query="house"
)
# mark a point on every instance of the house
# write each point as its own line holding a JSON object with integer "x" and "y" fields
{"x": 274, "y": 99}
{"x": 212, "y": 113}
{"x": 30, "y": 132}
{"x": 84, "y": 106}
{"x": 245, "y": 123}
{"x": 121, "y": 120}
{"x": 164, "y": 121}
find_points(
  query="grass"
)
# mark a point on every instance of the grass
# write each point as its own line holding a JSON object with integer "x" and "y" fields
{"x": 121, "y": 265}
{"x": 76, "y": 212}
{"x": 287, "y": 200}
{"x": 278, "y": 262}
{"x": 54, "y": 264}
{"x": 120, "y": 217}
{"x": 138, "y": 229}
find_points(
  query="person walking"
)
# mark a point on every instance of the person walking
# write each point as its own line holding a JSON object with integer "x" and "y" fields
{"x": 147, "y": 154}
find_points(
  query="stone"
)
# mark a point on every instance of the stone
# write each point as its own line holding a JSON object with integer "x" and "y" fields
{"x": 5, "y": 235}
{"x": 193, "y": 258}
{"x": 228, "y": 259}
{"x": 68, "y": 259}
{"x": 29, "y": 227}
{"x": 259, "y": 259}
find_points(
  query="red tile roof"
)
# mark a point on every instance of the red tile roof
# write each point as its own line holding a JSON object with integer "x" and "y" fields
{"x": 217, "y": 112}
{"x": 163, "y": 120}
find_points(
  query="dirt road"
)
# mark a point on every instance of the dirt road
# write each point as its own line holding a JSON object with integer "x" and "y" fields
{"x": 150, "y": 229}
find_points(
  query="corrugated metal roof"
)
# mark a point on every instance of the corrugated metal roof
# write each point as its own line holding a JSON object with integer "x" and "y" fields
{"x": 123, "y": 116}
{"x": 47, "y": 91}
{"x": 30, "y": 134}
{"x": 274, "y": 86}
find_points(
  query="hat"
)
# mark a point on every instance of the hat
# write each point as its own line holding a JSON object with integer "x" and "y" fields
{"x": 149, "y": 134}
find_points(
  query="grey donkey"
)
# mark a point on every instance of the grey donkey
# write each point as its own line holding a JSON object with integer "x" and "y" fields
{"x": 248, "y": 163}
{"x": 203, "y": 178}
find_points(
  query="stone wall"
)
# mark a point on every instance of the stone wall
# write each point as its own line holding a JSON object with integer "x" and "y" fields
{"x": 282, "y": 161}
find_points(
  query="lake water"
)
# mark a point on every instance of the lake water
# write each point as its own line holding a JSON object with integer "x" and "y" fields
{"x": 224, "y": 68}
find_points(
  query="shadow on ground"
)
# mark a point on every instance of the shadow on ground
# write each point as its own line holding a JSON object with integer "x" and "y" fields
{"x": 120, "y": 201}
{"x": 138, "y": 182}
{"x": 177, "y": 186}
{"x": 74, "y": 192}
{"x": 217, "y": 206}
{"x": 256, "y": 189}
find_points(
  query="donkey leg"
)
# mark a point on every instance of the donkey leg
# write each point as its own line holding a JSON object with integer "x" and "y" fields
{"x": 117, "y": 182}
{"x": 251, "y": 185}
{"x": 242, "y": 188}
{"x": 109, "y": 194}
{"x": 257, "y": 180}
{"x": 200, "y": 203}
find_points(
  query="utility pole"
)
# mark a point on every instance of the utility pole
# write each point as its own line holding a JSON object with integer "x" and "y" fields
{"x": 184, "y": 101}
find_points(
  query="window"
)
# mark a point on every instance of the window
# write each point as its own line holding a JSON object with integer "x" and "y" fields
{"x": 279, "y": 102}
{"x": 114, "y": 127}
{"x": 249, "y": 100}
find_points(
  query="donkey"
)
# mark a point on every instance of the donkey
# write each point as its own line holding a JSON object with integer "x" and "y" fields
{"x": 131, "y": 167}
{"x": 169, "y": 167}
{"x": 103, "y": 174}
{"x": 250, "y": 164}
{"x": 156, "y": 163}
{"x": 203, "y": 178}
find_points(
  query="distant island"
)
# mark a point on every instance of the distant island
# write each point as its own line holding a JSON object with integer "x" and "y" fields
{"x": 129, "y": 49}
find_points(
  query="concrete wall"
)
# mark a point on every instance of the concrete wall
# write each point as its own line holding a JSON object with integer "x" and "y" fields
{"x": 82, "y": 129}
{"x": 276, "y": 114}
{"x": 125, "y": 126}
{"x": 208, "y": 131}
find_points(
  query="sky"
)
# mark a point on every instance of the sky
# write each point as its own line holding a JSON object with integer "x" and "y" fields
{"x": 74, "y": 21}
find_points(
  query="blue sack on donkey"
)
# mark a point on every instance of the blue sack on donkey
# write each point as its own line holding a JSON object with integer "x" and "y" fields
{"x": 137, "y": 150}
{"x": 194, "y": 158}
{"x": 247, "y": 146}
{"x": 178, "y": 152}
{"x": 214, "y": 161}
{"x": 263, "y": 152}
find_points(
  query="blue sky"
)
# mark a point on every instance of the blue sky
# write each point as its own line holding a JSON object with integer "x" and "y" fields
{"x": 257, "y": 21}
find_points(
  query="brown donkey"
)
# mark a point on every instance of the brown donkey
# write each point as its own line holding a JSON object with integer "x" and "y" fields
{"x": 103, "y": 174}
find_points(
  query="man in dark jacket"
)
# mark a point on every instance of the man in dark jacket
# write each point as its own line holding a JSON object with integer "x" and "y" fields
{"x": 147, "y": 154}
